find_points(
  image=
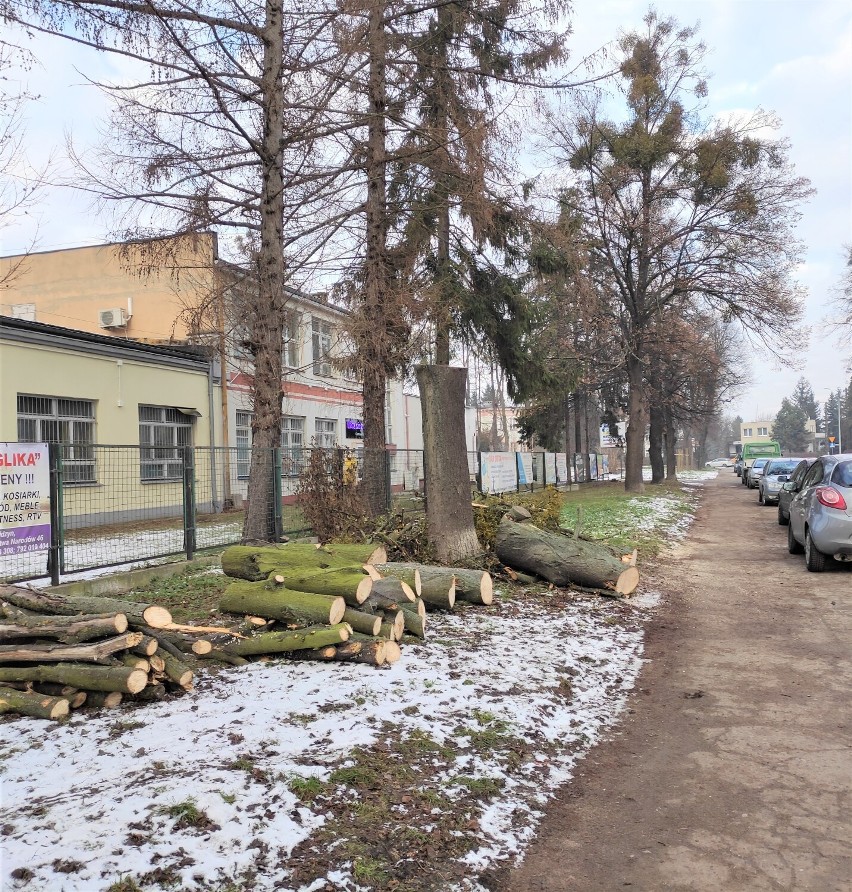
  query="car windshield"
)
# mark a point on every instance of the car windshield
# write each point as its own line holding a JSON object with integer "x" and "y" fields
{"x": 781, "y": 467}
{"x": 760, "y": 463}
{"x": 842, "y": 475}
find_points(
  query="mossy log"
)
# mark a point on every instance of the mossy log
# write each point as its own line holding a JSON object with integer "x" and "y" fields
{"x": 474, "y": 586}
{"x": 158, "y": 664}
{"x": 147, "y": 647}
{"x": 43, "y": 602}
{"x": 371, "y": 653}
{"x": 393, "y": 625}
{"x": 561, "y": 559}
{"x": 81, "y": 676}
{"x": 404, "y": 572}
{"x": 391, "y": 652}
{"x": 282, "y": 642}
{"x": 153, "y": 693}
{"x": 220, "y": 656}
{"x": 413, "y": 623}
{"x": 134, "y": 661}
{"x": 38, "y": 706}
{"x": 395, "y": 589}
{"x": 368, "y": 623}
{"x": 281, "y": 603}
{"x": 177, "y": 671}
{"x": 104, "y": 699}
{"x": 350, "y": 583}
{"x": 171, "y": 642}
{"x": 257, "y": 562}
{"x": 60, "y": 653}
{"x": 67, "y": 629}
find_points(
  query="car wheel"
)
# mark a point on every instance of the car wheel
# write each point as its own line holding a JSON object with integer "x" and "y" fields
{"x": 792, "y": 545}
{"x": 783, "y": 520}
{"x": 815, "y": 560}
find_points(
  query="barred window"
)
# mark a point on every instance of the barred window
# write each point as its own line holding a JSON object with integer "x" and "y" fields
{"x": 243, "y": 443}
{"x": 163, "y": 432}
{"x": 71, "y": 422}
{"x": 325, "y": 430}
{"x": 292, "y": 441}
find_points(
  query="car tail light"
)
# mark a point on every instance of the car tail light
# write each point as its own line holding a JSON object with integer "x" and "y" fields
{"x": 831, "y": 498}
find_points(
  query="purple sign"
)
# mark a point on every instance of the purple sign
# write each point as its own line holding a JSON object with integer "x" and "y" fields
{"x": 24, "y": 498}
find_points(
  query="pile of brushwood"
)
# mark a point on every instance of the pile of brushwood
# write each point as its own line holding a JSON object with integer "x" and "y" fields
{"x": 59, "y": 653}
{"x": 338, "y": 602}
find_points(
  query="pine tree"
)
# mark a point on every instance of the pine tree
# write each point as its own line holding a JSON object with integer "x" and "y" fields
{"x": 789, "y": 427}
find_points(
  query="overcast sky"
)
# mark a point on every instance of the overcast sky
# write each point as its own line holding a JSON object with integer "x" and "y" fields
{"x": 793, "y": 57}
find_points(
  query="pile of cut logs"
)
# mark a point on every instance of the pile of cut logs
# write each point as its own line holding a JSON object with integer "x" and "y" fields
{"x": 338, "y": 602}
{"x": 58, "y": 653}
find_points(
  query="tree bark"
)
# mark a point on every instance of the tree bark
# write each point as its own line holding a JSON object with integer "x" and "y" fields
{"x": 69, "y": 630}
{"x": 563, "y": 560}
{"x": 351, "y": 584}
{"x": 87, "y": 678}
{"x": 655, "y": 444}
{"x": 449, "y": 515}
{"x": 58, "y": 653}
{"x": 36, "y": 705}
{"x": 41, "y": 602}
{"x": 281, "y": 603}
{"x": 367, "y": 623}
{"x": 636, "y": 410}
{"x": 670, "y": 439}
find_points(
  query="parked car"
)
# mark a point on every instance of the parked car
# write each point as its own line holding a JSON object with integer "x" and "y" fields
{"x": 753, "y": 474}
{"x": 718, "y": 463}
{"x": 753, "y": 451}
{"x": 790, "y": 488}
{"x": 821, "y": 513}
{"x": 776, "y": 472}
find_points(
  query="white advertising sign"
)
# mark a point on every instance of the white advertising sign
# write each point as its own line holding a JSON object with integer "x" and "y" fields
{"x": 499, "y": 471}
{"x": 549, "y": 467}
{"x": 562, "y": 467}
{"x": 24, "y": 498}
{"x": 525, "y": 468}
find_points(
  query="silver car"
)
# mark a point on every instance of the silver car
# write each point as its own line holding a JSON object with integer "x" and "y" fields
{"x": 821, "y": 513}
{"x": 775, "y": 474}
{"x": 790, "y": 488}
{"x": 755, "y": 471}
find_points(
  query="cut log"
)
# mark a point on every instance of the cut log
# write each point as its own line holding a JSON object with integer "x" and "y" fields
{"x": 393, "y": 588}
{"x": 38, "y": 706}
{"x": 392, "y": 652}
{"x": 350, "y": 583}
{"x": 368, "y": 623}
{"x": 147, "y": 646}
{"x": 198, "y": 630}
{"x": 202, "y": 647}
{"x": 281, "y": 603}
{"x": 177, "y": 671}
{"x": 562, "y": 559}
{"x": 59, "y": 653}
{"x": 393, "y": 625}
{"x": 134, "y": 662}
{"x": 91, "y": 678}
{"x": 67, "y": 629}
{"x": 414, "y": 623}
{"x": 319, "y": 654}
{"x": 139, "y": 614}
{"x": 254, "y": 563}
{"x": 158, "y": 664}
{"x": 372, "y": 653}
{"x": 282, "y": 642}
{"x": 153, "y": 693}
{"x": 473, "y": 586}
{"x": 104, "y": 699}
{"x": 222, "y": 657}
{"x": 407, "y": 573}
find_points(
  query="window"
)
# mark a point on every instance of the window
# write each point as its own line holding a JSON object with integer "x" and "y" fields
{"x": 292, "y": 356}
{"x": 52, "y": 419}
{"x": 163, "y": 432}
{"x": 321, "y": 333}
{"x": 814, "y": 475}
{"x": 747, "y": 431}
{"x": 243, "y": 443}
{"x": 292, "y": 441}
{"x": 325, "y": 432}
{"x": 763, "y": 432}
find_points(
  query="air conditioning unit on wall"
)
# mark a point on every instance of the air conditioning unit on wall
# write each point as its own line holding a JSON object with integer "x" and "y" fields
{"x": 116, "y": 318}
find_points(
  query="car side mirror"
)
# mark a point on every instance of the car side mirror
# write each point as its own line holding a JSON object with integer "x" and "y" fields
{"x": 789, "y": 487}
{"x": 783, "y": 478}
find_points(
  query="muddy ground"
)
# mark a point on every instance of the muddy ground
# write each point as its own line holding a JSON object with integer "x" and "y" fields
{"x": 733, "y": 767}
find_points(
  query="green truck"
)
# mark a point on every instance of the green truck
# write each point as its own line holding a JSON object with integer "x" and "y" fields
{"x": 752, "y": 451}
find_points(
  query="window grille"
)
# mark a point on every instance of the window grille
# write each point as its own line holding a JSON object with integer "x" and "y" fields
{"x": 292, "y": 441}
{"x": 325, "y": 430}
{"x": 71, "y": 422}
{"x": 163, "y": 432}
{"x": 243, "y": 443}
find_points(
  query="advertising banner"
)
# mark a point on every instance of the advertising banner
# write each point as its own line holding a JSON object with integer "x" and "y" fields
{"x": 579, "y": 468}
{"x": 593, "y": 466}
{"x": 550, "y": 467}
{"x": 24, "y": 498}
{"x": 525, "y": 468}
{"x": 603, "y": 464}
{"x": 562, "y": 467}
{"x": 499, "y": 471}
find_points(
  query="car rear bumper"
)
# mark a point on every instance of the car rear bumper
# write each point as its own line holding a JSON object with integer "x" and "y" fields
{"x": 832, "y": 534}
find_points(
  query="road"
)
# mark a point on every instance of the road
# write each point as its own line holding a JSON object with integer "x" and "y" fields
{"x": 732, "y": 770}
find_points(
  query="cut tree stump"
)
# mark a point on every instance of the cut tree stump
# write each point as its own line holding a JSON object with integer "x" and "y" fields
{"x": 36, "y": 705}
{"x": 279, "y": 602}
{"x": 282, "y": 642}
{"x": 561, "y": 559}
{"x": 257, "y": 562}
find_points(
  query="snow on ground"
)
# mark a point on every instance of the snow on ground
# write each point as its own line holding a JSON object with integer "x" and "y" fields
{"x": 203, "y": 791}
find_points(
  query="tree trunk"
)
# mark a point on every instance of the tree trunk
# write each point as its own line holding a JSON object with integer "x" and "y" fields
{"x": 87, "y": 678}
{"x": 670, "y": 439}
{"x": 254, "y": 563}
{"x": 67, "y": 629}
{"x": 563, "y": 560}
{"x": 282, "y": 642}
{"x": 58, "y": 653}
{"x": 36, "y": 705}
{"x": 636, "y": 410}
{"x": 281, "y": 603}
{"x": 41, "y": 602}
{"x": 449, "y": 515}
{"x": 655, "y": 448}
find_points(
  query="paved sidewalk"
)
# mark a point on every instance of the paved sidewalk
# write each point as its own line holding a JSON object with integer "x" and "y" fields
{"x": 733, "y": 768}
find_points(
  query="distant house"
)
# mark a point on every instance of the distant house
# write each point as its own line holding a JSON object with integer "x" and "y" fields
{"x": 755, "y": 431}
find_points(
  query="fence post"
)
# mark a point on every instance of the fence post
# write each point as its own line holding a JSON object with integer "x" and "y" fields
{"x": 479, "y": 471}
{"x": 189, "y": 529}
{"x": 277, "y": 493}
{"x": 388, "y": 493}
{"x": 55, "y": 554}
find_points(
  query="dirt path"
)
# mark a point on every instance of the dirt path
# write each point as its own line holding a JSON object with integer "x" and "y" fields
{"x": 733, "y": 769}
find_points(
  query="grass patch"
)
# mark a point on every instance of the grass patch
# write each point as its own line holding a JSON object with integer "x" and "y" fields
{"x": 306, "y": 788}
{"x": 192, "y": 595}
{"x": 481, "y": 787}
{"x": 186, "y": 814}
{"x": 125, "y": 884}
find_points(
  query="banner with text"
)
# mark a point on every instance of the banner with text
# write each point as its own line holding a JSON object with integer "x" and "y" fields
{"x": 499, "y": 471}
{"x": 525, "y": 468}
{"x": 24, "y": 498}
{"x": 550, "y": 468}
{"x": 562, "y": 468}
